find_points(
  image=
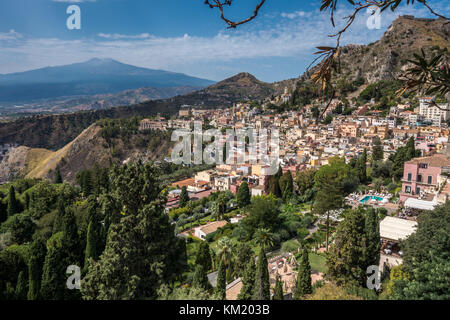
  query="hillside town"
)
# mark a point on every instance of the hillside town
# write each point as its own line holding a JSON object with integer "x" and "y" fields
{"x": 307, "y": 144}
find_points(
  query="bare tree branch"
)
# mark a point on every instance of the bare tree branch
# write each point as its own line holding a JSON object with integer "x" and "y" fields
{"x": 232, "y": 24}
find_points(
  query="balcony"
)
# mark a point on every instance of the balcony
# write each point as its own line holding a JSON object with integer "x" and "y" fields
{"x": 423, "y": 183}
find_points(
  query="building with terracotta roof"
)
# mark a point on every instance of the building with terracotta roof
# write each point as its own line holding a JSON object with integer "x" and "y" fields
{"x": 203, "y": 231}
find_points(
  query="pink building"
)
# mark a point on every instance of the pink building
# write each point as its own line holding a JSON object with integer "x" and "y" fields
{"x": 421, "y": 174}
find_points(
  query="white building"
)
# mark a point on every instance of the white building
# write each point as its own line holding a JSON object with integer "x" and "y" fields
{"x": 202, "y": 232}
{"x": 434, "y": 113}
{"x": 392, "y": 230}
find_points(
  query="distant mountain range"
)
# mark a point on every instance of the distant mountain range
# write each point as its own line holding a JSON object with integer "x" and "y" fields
{"x": 93, "y": 77}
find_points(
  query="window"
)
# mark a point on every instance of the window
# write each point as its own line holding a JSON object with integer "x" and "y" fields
{"x": 419, "y": 178}
{"x": 409, "y": 176}
{"x": 423, "y": 165}
{"x": 408, "y": 189}
{"x": 417, "y": 190}
{"x": 430, "y": 179}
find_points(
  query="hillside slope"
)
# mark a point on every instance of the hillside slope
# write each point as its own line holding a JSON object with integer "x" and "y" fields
{"x": 91, "y": 147}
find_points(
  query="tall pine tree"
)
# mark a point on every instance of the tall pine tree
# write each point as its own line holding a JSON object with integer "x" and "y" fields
{"x": 203, "y": 257}
{"x": 94, "y": 235}
{"x": 243, "y": 195}
{"x": 58, "y": 177}
{"x": 278, "y": 291}
{"x": 221, "y": 285}
{"x": 377, "y": 150}
{"x": 303, "y": 285}
{"x": 362, "y": 169}
{"x": 53, "y": 283}
{"x": 184, "y": 197}
{"x": 21, "y": 286}
{"x": 372, "y": 231}
{"x": 200, "y": 279}
{"x": 248, "y": 281}
{"x": 13, "y": 203}
{"x": 262, "y": 283}
{"x": 60, "y": 213}
{"x": 287, "y": 185}
{"x": 36, "y": 262}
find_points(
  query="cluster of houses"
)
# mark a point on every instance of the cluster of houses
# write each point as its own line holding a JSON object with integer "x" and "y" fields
{"x": 304, "y": 144}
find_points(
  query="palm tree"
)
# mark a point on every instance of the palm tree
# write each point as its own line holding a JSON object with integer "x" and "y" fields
{"x": 263, "y": 237}
{"x": 225, "y": 250}
{"x": 222, "y": 203}
{"x": 215, "y": 211}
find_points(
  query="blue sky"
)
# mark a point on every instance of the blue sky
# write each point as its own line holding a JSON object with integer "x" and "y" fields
{"x": 179, "y": 35}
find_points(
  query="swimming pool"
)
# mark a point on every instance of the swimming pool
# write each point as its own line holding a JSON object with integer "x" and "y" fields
{"x": 367, "y": 198}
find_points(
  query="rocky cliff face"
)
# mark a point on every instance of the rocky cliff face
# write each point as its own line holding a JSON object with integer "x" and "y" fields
{"x": 385, "y": 58}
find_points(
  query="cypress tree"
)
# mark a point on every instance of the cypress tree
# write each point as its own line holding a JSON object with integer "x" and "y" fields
{"x": 184, "y": 198}
{"x": 27, "y": 200}
{"x": 287, "y": 185}
{"x": 303, "y": 285}
{"x": 37, "y": 257}
{"x": 243, "y": 195}
{"x": 262, "y": 283}
{"x": 248, "y": 281}
{"x": 21, "y": 286}
{"x": 13, "y": 204}
{"x": 362, "y": 172}
{"x": 221, "y": 286}
{"x": 230, "y": 273}
{"x": 93, "y": 238}
{"x": 410, "y": 149}
{"x": 86, "y": 182}
{"x": 200, "y": 279}
{"x": 274, "y": 186}
{"x": 278, "y": 291}
{"x": 203, "y": 257}
{"x": 3, "y": 211}
{"x": 372, "y": 231}
{"x": 60, "y": 213}
{"x": 244, "y": 254}
{"x": 377, "y": 151}
{"x": 70, "y": 240}
{"x": 54, "y": 270}
{"x": 58, "y": 177}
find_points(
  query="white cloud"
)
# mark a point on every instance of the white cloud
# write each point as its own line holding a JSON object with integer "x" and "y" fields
{"x": 267, "y": 38}
{"x": 11, "y": 35}
{"x": 123, "y": 36}
{"x": 296, "y": 14}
